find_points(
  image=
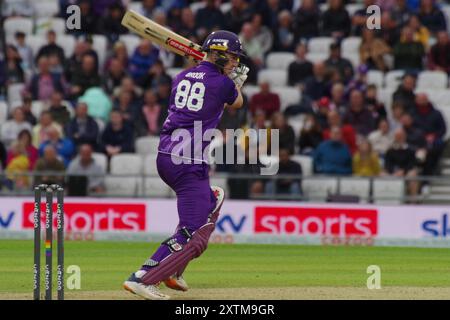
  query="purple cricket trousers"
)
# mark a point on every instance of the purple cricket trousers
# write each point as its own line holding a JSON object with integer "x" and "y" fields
{"x": 195, "y": 199}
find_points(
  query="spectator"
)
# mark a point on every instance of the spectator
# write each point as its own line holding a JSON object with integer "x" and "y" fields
{"x": 251, "y": 45}
{"x": 348, "y": 132}
{"x": 89, "y": 21}
{"x": 439, "y": 57}
{"x": 398, "y": 110}
{"x": 84, "y": 164}
{"x": 365, "y": 161}
{"x": 24, "y": 139}
{"x": 13, "y": 66}
{"x": 358, "y": 116}
{"x": 83, "y": 129}
{"x": 17, "y": 168}
{"x": 99, "y": 104}
{"x": 110, "y": 24}
{"x": 63, "y": 146}
{"x": 317, "y": 86}
{"x": 2, "y": 156}
{"x": 143, "y": 58}
{"x": 163, "y": 91}
{"x": 310, "y": 135}
{"x": 400, "y": 161}
{"x": 389, "y": 31}
{"x": 333, "y": 156}
{"x": 155, "y": 74}
{"x": 300, "y": 69}
{"x": 11, "y": 128}
{"x": 373, "y": 105}
{"x": 306, "y": 21}
{"x": 284, "y": 34}
{"x": 265, "y": 100}
{"x": 148, "y": 7}
{"x": 338, "y": 101}
{"x": 262, "y": 33}
{"x": 58, "y": 109}
{"x": 124, "y": 105}
{"x": 49, "y": 162}
{"x": 117, "y": 137}
{"x": 127, "y": 84}
{"x": 85, "y": 78}
{"x": 286, "y": 133}
{"x": 209, "y": 18}
{"x": 430, "y": 120}
{"x": 150, "y": 122}
{"x": 431, "y": 16}
{"x": 43, "y": 84}
{"x": 234, "y": 118}
{"x": 373, "y": 51}
{"x": 239, "y": 13}
{"x": 421, "y": 33}
{"x": 336, "y": 21}
{"x": 119, "y": 52}
{"x": 113, "y": 76}
{"x": 26, "y": 109}
{"x": 290, "y": 186}
{"x": 359, "y": 19}
{"x": 187, "y": 24}
{"x": 408, "y": 53}
{"x": 22, "y": 8}
{"x": 381, "y": 139}
{"x": 415, "y": 137}
{"x": 40, "y": 131}
{"x": 400, "y": 13}
{"x": 73, "y": 64}
{"x": 359, "y": 82}
{"x": 405, "y": 92}
{"x": 341, "y": 65}
{"x": 51, "y": 48}
{"x": 25, "y": 51}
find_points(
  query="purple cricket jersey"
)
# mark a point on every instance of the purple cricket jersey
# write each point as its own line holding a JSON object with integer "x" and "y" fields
{"x": 198, "y": 94}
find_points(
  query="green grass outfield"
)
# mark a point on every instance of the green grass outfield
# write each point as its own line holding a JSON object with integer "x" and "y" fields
{"x": 288, "y": 271}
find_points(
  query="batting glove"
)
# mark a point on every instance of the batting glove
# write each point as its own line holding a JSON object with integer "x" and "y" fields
{"x": 240, "y": 75}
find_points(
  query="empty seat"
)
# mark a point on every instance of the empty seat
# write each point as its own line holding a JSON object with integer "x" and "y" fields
{"x": 439, "y": 97}
{"x": 219, "y": 182}
{"x": 385, "y": 96}
{"x": 250, "y": 90}
{"x": 67, "y": 42}
{"x": 102, "y": 160}
{"x": 45, "y": 24}
{"x": 15, "y": 92}
{"x": 375, "y": 77}
{"x": 100, "y": 45}
{"x": 276, "y": 78}
{"x": 296, "y": 122}
{"x": 130, "y": 41}
{"x": 354, "y": 58}
{"x": 393, "y": 78}
{"x": 195, "y": 6}
{"x": 432, "y": 80}
{"x": 147, "y": 145}
{"x": 320, "y": 45}
{"x": 135, "y": 5}
{"x": 288, "y": 96}
{"x": 121, "y": 186}
{"x": 150, "y": 165}
{"x": 356, "y": 187}
{"x": 388, "y": 191}
{"x": 445, "y": 110}
{"x": 318, "y": 188}
{"x": 279, "y": 60}
{"x": 12, "y": 25}
{"x": 174, "y": 71}
{"x": 37, "y": 107}
{"x": 48, "y": 8}
{"x": 225, "y": 7}
{"x": 315, "y": 57}
{"x": 126, "y": 163}
{"x": 353, "y": 7}
{"x": 350, "y": 45}
{"x": 36, "y": 42}
{"x": 3, "y": 112}
{"x": 155, "y": 187}
{"x": 306, "y": 162}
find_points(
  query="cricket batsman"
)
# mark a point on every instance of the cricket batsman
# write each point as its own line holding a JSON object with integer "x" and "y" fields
{"x": 198, "y": 94}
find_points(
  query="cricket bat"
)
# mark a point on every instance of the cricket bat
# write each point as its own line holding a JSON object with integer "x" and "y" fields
{"x": 164, "y": 37}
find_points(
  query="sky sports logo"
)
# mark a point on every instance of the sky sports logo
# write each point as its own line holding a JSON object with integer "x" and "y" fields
{"x": 439, "y": 227}
{"x": 316, "y": 221}
{"x": 90, "y": 217}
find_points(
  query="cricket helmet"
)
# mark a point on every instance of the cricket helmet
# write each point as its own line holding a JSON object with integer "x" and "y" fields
{"x": 225, "y": 41}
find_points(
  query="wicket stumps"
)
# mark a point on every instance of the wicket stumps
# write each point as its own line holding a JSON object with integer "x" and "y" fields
{"x": 49, "y": 191}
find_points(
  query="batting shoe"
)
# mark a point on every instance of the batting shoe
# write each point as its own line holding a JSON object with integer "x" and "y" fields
{"x": 176, "y": 283}
{"x": 150, "y": 292}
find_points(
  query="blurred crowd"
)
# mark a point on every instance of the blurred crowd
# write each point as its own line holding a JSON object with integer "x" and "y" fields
{"x": 92, "y": 107}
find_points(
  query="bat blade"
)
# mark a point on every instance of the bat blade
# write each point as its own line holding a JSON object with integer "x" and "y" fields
{"x": 164, "y": 37}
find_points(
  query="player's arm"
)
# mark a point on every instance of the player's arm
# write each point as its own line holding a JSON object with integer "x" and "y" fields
{"x": 238, "y": 102}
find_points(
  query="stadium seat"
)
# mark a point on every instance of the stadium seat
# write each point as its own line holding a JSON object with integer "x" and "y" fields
{"x": 149, "y": 165}
{"x": 130, "y": 41}
{"x": 15, "y": 92}
{"x": 350, "y": 45}
{"x": 279, "y": 60}
{"x": 249, "y": 90}
{"x": 385, "y": 96}
{"x": 445, "y": 110}
{"x": 102, "y": 160}
{"x": 353, "y": 7}
{"x": 446, "y": 10}
{"x": 315, "y": 57}
{"x": 135, "y": 5}
{"x": 320, "y": 45}
{"x": 375, "y": 77}
{"x": 432, "y": 80}
{"x": 288, "y": 96}
{"x": 101, "y": 124}
{"x": 36, "y": 42}
{"x": 37, "y": 107}
{"x": 126, "y": 163}
{"x": 45, "y": 24}
{"x": 121, "y": 186}
{"x": 3, "y": 112}
{"x": 12, "y": 25}
{"x": 67, "y": 42}
{"x": 306, "y": 162}
{"x": 296, "y": 122}
{"x": 147, "y": 145}
{"x": 318, "y": 188}
{"x": 393, "y": 78}
{"x": 276, "y": 78}
{"x": 219, "y": 182}
{"x": 439, "y": 98}
{"x": 225, "y": 7}
{"x": 100, "y": 45}
{"x": 356, "y": 187}
{"x": 47, "y": 8}
{"x": 173, "y": 71}
{"x": 388, "y": 191}
{"x": 195, "y": 6}
{"x": 354, "y": 58}
{"x": 154, "y": 187}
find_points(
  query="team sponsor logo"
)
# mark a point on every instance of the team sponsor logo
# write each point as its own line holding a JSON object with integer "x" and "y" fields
{"x": 89, "y": 217}
{"x": 316, "y": 221}
{"x": 439, "y": 227}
